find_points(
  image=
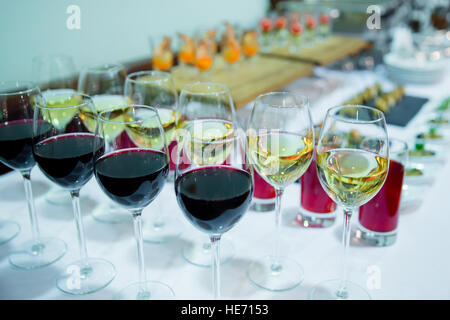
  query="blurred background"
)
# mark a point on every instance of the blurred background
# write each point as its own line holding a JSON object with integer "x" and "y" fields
{"x": 111, "y": 30}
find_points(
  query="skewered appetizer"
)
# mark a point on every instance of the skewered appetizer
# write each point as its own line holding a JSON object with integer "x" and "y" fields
{"x": 376, "y": 97}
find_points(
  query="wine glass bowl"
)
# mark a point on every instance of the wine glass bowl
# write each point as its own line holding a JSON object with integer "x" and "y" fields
{"x": 17, "y": 100}
{"x": 104, "y": 79}
{"x": 350, "y": 144}
{"x": 352, "y": 165}
{"x": 205, "y": 100}
{"x": 59, "y": 129}
{"x": 132, "y": 176}
{"x": 52, "y": 72}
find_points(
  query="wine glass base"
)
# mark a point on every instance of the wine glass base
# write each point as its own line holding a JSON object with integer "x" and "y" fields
{"x": 110, "y": 213}
{"x": 310, "y": 219}
{"x": 58, "y": 197}
{"x": 162, "y": 230}
{"x": 259, "y": 205}
{"x": 34, "y": 255}
{"x": 199, "y": 253}
{"x": 374, "y": 238}
{"x": 8, "y": 231}
{"x": 171, "y": 176}
{"x": 86, "y": 276}
{"x": 284, "y": 275}
{"x": 330, "y": 290}
{"x": 149, "y": 290}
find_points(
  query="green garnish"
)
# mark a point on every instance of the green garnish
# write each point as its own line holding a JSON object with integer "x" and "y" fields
{"x": 414, "y": 172}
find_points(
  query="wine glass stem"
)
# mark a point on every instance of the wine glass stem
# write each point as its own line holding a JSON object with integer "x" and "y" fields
{"x": 75, "y": 195}
{"x": 137, "y": 223}
{"x": 215, "y": 245}
{"x": 31, "y": 207}
{"x": 342, "y": 291}
{"x": 276, "y": 266}
{"x": 159, "y": 220}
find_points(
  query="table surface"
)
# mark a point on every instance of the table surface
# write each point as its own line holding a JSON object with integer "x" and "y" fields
{"x": 415, "y": 267}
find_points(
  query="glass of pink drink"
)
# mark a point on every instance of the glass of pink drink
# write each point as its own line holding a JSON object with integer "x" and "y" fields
{"x": 317, "y": 210}
{"x": 263, "y": 195}
{"x": 378, "y": 218}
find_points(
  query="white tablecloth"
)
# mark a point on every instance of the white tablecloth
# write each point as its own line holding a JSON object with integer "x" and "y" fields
{"x": 415, "y": 267}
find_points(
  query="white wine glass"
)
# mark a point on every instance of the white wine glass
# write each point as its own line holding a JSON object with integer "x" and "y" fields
{"x": 105, "y": 84}
{"x": 156, "y": 89}
{"x": 56, "y": 75}
{"x": 281, "y": 148}
{"x": 200, "y": 101}
{"x": 352, "y": 165}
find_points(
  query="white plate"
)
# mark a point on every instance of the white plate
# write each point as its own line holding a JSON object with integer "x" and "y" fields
{"x": 409, "y": 70}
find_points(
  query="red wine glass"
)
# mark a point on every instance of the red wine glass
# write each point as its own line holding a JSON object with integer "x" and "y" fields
{"x": 157, "y": 89}
{"x": 17, "y": 100}
{"x": 63, "y": 148}
{"x": 214, "y": 187}
{"x": 133, "y": 176}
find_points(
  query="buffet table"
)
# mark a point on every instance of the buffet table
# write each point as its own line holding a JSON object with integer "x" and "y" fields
{"x": 415, "y": 267}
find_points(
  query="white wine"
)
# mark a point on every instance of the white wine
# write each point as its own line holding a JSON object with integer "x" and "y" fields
{"x": 351, "y": 177}
{"x": 209, "y": 142}
{"x": 103, "y": 102}
{"x": 146, "y": 134}
{"x": 59, "y": 99}
{"x": 169, "y": 119}
{"x": 280, "y": 157}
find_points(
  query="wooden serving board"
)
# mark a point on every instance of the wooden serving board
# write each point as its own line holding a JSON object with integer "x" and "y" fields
{"x": 247, "y": 79}
{"x": 323, "y": 53}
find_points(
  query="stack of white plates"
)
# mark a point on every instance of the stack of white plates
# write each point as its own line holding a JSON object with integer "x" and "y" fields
{"x": 413, "y": 70}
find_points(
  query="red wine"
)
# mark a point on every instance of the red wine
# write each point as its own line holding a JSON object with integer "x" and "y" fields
{"x": 16, "y": 144}
{"x": 184, "y": 161}
{"x": 123, "y": 141}
{"x": 173, "y": 149}
{"x": 312, "y": 196}
{"x": 381, "y": 213}
{"x": 214, "y": 198}
{"x": 66, "y": 159}
{"x": 132, "y": 177}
